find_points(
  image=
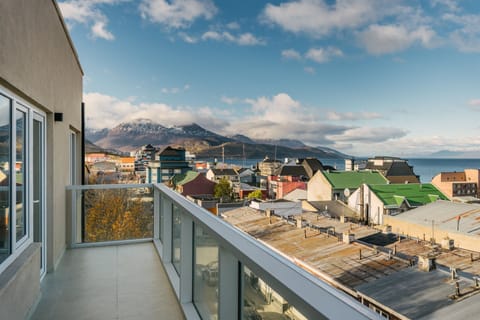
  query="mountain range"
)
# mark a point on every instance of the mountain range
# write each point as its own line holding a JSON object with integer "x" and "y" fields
{"x": 203, "y": 143}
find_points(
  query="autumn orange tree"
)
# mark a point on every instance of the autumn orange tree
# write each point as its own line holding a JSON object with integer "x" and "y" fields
{"x": 117, "y": 214}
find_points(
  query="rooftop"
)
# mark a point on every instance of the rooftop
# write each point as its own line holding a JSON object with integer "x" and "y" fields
{"x": 181, "y": 179}
{"x": 363, "y": 268}
{"x": 415, "y": 194}
{"x": 445, "y": 214}
{"x": 353, "y": 179}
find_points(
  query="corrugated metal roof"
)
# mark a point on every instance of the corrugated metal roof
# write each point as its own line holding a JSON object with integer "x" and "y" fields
{"x": 444, "y": 214}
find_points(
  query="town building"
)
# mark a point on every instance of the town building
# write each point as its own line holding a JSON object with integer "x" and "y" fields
{"x": 391, "y": 199}
{"x": 243, "y": 190}
{"x": 268, "y": 167}
{"x": 459, "y": 186}
{"x": 338, "y": 185}
{"x": 286, "y": 179}
{"x": 311, "y": 166}
{"x": 41, "y": 128}
{"x": 217, "y": 174}
{"x": 93, "y": 157}
{"x": 395, "y": 170}
{"x": 449, "y": 224}
{"x": 247, "y": 175}
{"x": 168, "y": 162}
{"x": 192, "y": 183}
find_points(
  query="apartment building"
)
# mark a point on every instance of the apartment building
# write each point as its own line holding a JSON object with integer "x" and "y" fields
{"x": 460, "y": 186}
{"x": 40, "y": 154}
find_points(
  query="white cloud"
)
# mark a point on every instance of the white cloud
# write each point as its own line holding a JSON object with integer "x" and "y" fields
{"x": 467, "y": 37}
{"x": 88, "y": 13}
{"x": 243, "y": 39}
{"x": 233, "y": 25}
{"x": 340, "y": 116}
{"x": 291, "y": 54}
{"x": 451, "y": 5}
{"x": 275, "y": 117}
{"x": 187, "y": 38}
{"x": 318, "y": 18}
{"x": 177, "y": 14}
{"x": 384, "y": 39}
{"x": 322, "y": 55}
{"x": 369, "y": 135}
{"x": 104, "y": 111}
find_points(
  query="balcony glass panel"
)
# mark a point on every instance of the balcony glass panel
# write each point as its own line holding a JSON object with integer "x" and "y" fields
{"x": 4, "y": 178}
{"x": 176, "y": 237}
{"x": 205, "y": 281}
{"x": 115, "y": 214}
{"x": 260, "y": 301}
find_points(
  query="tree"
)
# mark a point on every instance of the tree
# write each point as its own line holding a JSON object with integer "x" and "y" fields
{"x": 256, "y": 194}
{"x": 223, "y": 190}
{"x": 117, "y": 214}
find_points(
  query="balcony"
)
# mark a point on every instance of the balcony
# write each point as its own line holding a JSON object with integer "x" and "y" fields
{"x": 127, "y": 240}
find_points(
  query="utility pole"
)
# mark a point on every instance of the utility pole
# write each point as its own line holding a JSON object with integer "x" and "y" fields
{"x": 223, "y": 155}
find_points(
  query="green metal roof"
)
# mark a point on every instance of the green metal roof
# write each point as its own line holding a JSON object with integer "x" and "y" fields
{"x": 415, "y": 194}
{"x": 353, "y": 179}
{"x": 181, "y": 179}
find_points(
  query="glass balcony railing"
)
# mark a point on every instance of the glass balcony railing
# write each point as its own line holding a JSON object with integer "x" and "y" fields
{"x": 216, "y": 271}
{"x": 105, "y": 213}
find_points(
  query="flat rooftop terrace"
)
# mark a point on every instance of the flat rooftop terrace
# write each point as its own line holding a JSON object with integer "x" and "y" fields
{"x": 319, "y": 250}
{"x": 112, "y": 282}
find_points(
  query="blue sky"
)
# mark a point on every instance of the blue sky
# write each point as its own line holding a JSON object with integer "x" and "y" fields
{"x": 366, "y": 77}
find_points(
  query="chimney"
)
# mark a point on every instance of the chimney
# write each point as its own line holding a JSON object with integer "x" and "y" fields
{"x": 448, "y": 243}
{"x": 299, "y": 223}
{"x": 348, "y": 237}
{"x": 426, "y": 263}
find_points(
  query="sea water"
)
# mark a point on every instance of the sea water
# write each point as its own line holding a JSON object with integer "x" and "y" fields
{"x": 425, "y": 168}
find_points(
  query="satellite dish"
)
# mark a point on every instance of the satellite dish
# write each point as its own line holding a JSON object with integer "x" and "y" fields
{"x": 346, "y": 192}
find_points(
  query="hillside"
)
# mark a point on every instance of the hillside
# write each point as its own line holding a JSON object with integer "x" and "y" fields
{"x": 204, "y": 143}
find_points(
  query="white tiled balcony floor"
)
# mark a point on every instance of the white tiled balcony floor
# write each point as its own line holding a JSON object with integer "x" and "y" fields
{"x": 114, "y": 282}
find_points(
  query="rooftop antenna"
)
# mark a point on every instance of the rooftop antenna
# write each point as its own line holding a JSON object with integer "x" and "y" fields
{"x": 223, "y": 154}
{"x": 244, "y": 160}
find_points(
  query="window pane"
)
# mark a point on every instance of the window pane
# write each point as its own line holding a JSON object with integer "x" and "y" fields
{"x": 4, "y": 178}
{"x": 205, "y": 281}
{"x": 176, "y": 240}
{"x": 21, "y": 227}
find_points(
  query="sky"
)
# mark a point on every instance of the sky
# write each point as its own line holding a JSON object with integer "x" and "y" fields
{"x": 365, "y": 77}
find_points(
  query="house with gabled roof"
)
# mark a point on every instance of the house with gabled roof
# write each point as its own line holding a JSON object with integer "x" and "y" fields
{"x": 394, "y": 169}
{"x": 338, "y": 185}
{"x": 217, "y": 174}
{"x": 286, "y": 179}
{"x": 392, "y": 199}
{"x": 192, "y": 183}
{"x": 311, "y": 166}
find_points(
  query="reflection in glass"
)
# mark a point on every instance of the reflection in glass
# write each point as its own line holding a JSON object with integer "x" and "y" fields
{"x": 205, "y": 281}
{"x": 176, "y": 237}
{"x": 260, "y": 301}
{"x": 118, "y": 214}
{"x": 21, "y": 226}
{"x": 5, "y": 249}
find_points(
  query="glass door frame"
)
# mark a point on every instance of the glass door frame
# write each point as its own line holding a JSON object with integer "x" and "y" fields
{"x": 41, "y": 118}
